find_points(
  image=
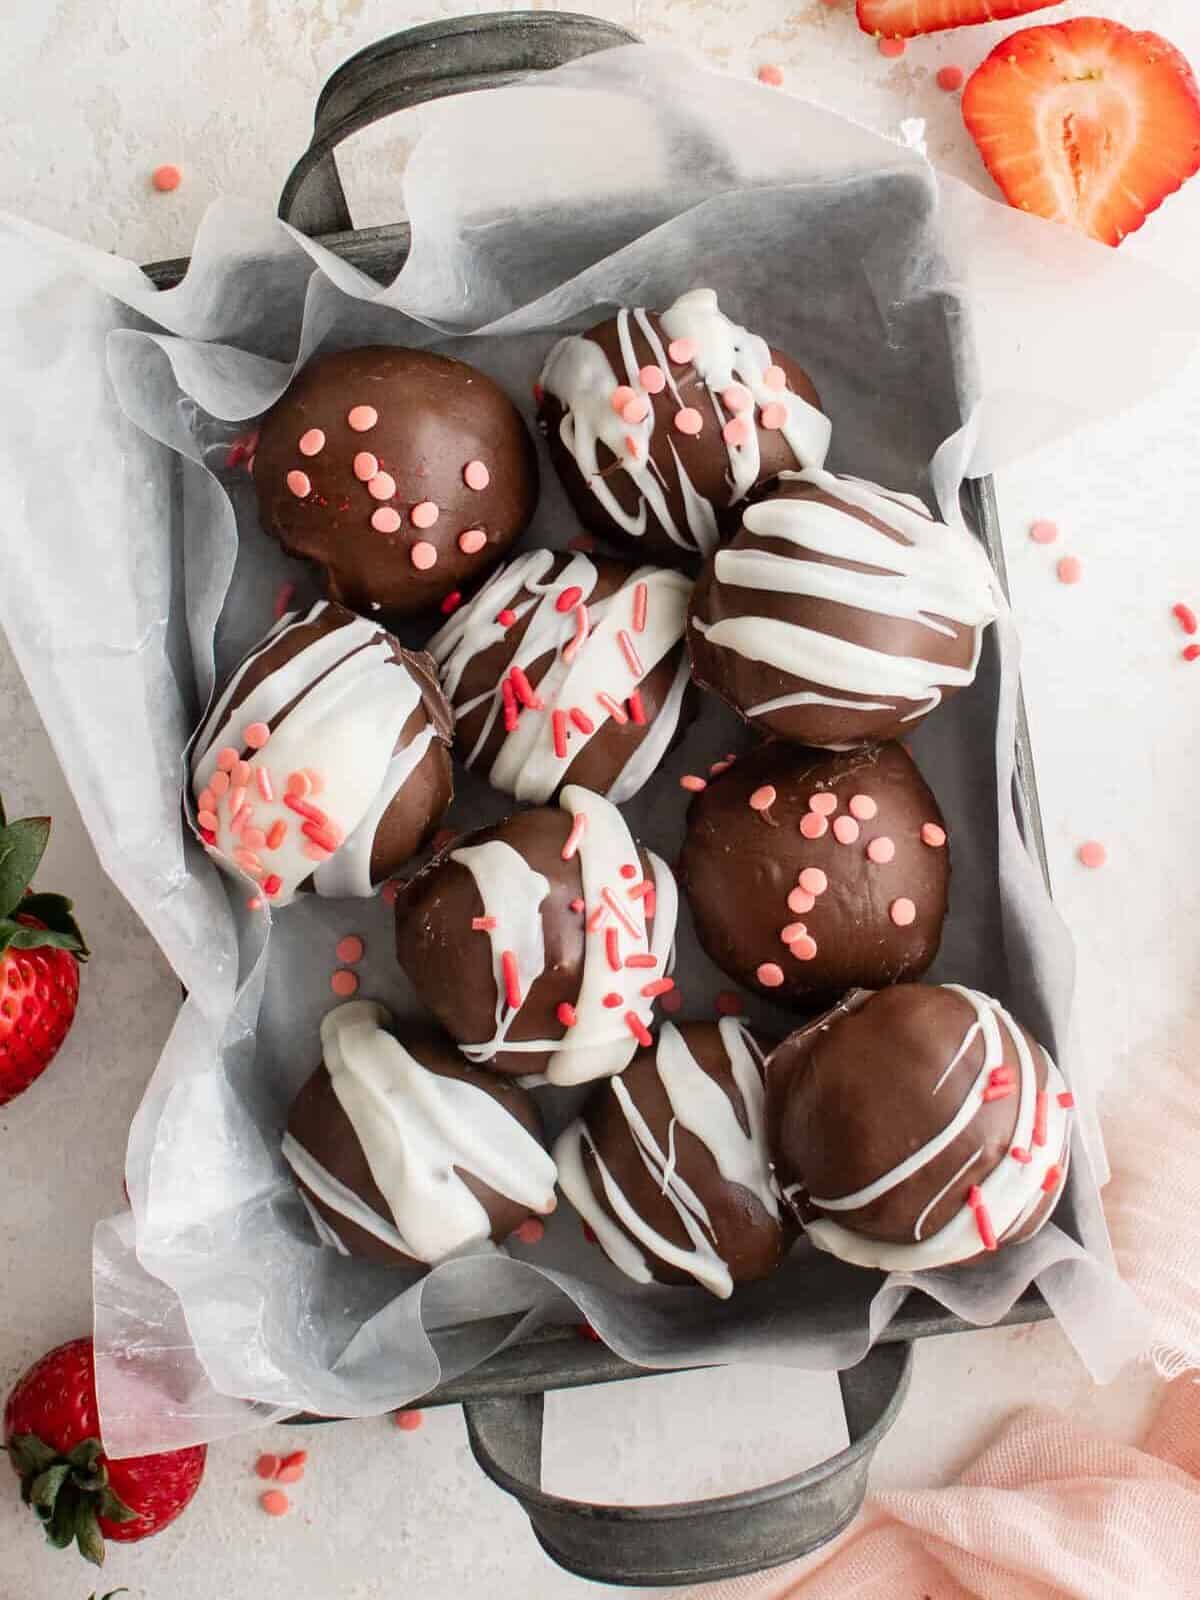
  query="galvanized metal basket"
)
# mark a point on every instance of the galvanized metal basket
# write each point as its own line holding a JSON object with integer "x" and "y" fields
{"x": 502, "y": 1399}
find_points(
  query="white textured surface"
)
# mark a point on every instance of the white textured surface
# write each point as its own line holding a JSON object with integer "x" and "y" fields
{"x": 96, "y": 93}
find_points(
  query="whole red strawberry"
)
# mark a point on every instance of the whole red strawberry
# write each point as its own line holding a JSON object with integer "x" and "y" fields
{"x": 40, "y": 951}
{"x": 52, "y": 1434}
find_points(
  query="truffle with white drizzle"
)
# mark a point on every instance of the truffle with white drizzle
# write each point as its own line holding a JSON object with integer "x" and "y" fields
{"x": 668, "y": 1163}
{"x": 659, "y": 423}
{"x": 403, "y": 1152}
{"x": 541, "y": 943}
{"x": 323, "y": 764}
{"x": 840, "y": 612}
{"x": 918, "y": 1127}
{"x": 565, "y": 668}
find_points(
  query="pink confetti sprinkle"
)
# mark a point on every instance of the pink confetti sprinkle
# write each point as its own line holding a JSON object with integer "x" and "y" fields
{"x": 206, "y": 801}
{"x": 933, "y": 835}
{"x": 1185, "y": 617}
{"x": 1043, "y": 531}
{"x": 764, "y": 798}
{"x": 769, "y": 975}
{"x": 283, "y": 600}
{"x": 803, "y": 949}
{"x": 577, "y": 905}
{"x": 166, "y": 178}
{"x": 729, "y": 1003}
{"x": 637, "y": 711}
{"x": 881, "y": 850}
{"x": 239, "y": 774}
{"x": 635, "y": 410}
{"x": 272, "y": 883}
{"x": 792, "y": 932}
{"x": 659, "y": 987}
{"x": 312, "y": 442}
{"x": 736, "y": 397}
{"x": 823, "y": 804}
{"x": 800, "y": 901}
{"x": 1092, "y": 853}
{"x": 476, "y": 475}
{"x": 653, "y": 379}
{"x": 472, "y": 541}
{"x": 361, "y": 419}
{"x": 299, "y": 483}
{"x": 813, "y": 881}
{"x": 483, "y": 924}
{"x": 736, "y": 431}
{"x": 566, "y": 1014}
{"x": 255, "y": 735}
{"x": 254, "y": 838}
{"x": 506, "y": 618}
{"x": 1069, "y": 569}
{"x": 1190, "y": 652}
{"x": 581, "y": 720}
{"x": 950, "y": 78}
{"x": 681, "y": 351}
{"x": 262, "y": 782}
{"x": 277, "y": 834}
{"x": 632, "y": 660}
{"x": 350, "y": 949}
{"x": 632, "y": 447}
{"x": 775, "y": 377}
{"x": 409, "y": 1421}
{"x": 902, "y": 912}
{"x": 298, "y": 784}
{"x": 248, "y": 861}
{"x": 813, "y": 825}
{"x": 382, "y": 486}
{"x": 641, "y": 598}
{"x": 423, "y": 555}
{"x": 366, "y": 466}
{"x": 451, "y": 602}
{"x": 531, "y": 1231}
{"x": 692, "y": 783}
{"x": 275, "y": 1503}
{"x": 688, "y": 420}
{"x": 219, "y": 782}
{"x": 424, "y": 514}
{"x": 771, "y": 75}
{"x": 620, "y": 397}
{"x": 614, "y": 708}
{"x": 774, "y": 416}
{"x": 572, "y": 844}
{"x": 845, "y": 830}
{"x": 344, "y": 982}
{"x": 207, "y": 819}
{"x": 863, "y": 807}
{"x": 892, "y": 47}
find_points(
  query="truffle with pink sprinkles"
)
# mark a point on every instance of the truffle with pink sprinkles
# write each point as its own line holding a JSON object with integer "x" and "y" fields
{"x": 323, "y": 763}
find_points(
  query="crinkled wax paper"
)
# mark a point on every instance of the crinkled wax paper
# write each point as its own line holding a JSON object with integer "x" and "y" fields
{"x": 135, "y": 572}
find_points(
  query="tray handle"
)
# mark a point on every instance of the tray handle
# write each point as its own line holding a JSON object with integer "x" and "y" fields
{"x": 444, "y": 58}
{"x": 701, "y": 1540}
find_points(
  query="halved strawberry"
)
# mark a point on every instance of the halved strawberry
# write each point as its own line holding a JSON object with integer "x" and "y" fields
{"x": 1087, "y": 123}
{"x": 901, "y": 19}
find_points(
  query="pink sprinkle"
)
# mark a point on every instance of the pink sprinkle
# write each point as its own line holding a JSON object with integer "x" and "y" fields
{"x": 892, "y": 47}
{"x": 262, "y": 780}
{"x": 1069, "y": 569}
{"x": 801, "y": 901}
{"x": 382, "y": 486}
{"x": 362, "y": 418}
{"x": 566, "y": 1015}
{"x": 1051, "y": 1180}
{"x": 718, "y": 767}
{"x": 863, "y": 807}
{"x": 248, "y": 861}
{"x": 672, "y": 1002}
{"x": 480, "y": 925}
{"x": 1092, "y": 853}
{"x": 769, "y": 975}
{"x": 638, "y": 1029}
{"x": 635, "y": 410}
{"x": 640, "y": 599}
{"x": 267, "y": 1466}
{"x": 277, "y": 834}
{"x": 736, "y": 397}
{"x": 227, "y": 758}
{"x": 881, "y": 850}
{"x": 902, "y": 912}
{"x": 632, "y": 660}
{"x": 366, "y": 466}
{"x": 628, "y": 870}
{"x": 219, "y": 782}
{"x": 983, "y": 1222}
{"x": 275, "y": 1503}
{"x": 558, "y": 723}
{"x": 524, "y": 690}
{"x": 472, "y": 541}
{"x": 933, "y": 835}
{"x": 239, "y": 774}
{"x": 409, "y": 1421}
{"x": 614, "y": 708}
{"x": 312, "y": 442}
{"x": 476, "y": 475}
{"x": 950, "y": 78}
{"x": 774, "y": 417}
{"x": 641, "y": 961}
{"x": 576, "y": 833}
{"x": 729, "y": 1003}
{"x": 804, "y": 949}
{"x": 423, "y": 555}
{"x": 583, "y": 624}
{"x": 272, "y": 883}
{"x": 620, "y": 397}
{"x": 451, "y": 603}
{"x": 531, "y": 1231}
{"x": 692, "y": 783}
{"x": 207, "y": 801}
{"x": 581, "y": 720}
{"x": 506, "y": 618}
{"x": 1039, "y": 1118}
{"x": 611, "y": 1000}
{"x": 386, "y": 519}
{"x": 316, "y": 852}
{"x": 424, "y": 514}
{"x": 283, "y": 600}
{"x": 998, "y": 1091}
{"x": 622, "y": 916}
{"x": 771, "y": 75}
{"x": 299, "y": 483}
{"x": 1185, "y": 617}
{"x": 631, "y": 446}
{"x": 1021, "y": 1156}
{"x": 736, "y": 431}
{"x": 792, "y": 932}
{"x": 845, "y": 830}
{"x": 255, "y": 735}
{"x": 512, "y": 979}
{"x": 237, "y": 799}
{"x": 576, "y": 905}
{"x": 1190, "y": 652}
{"x": 813, "y": 825}
{"x": 1043, "y": 532}
{"x": 637, "y": 711}
{"x": 612, "y": 948}
{"x": 350, "y": 949}
{"x": 207, "y": 819}
{"x": 288, "y": 1474}
{"x": 764, "y": 798}
{"x": 254, "y": 838}
{"x": 660, "y": 986}
{"x": 298, "y": 785}
{"x": 823, "y": 804}
{"x": 681, "y": 351}
{"x": 813, "y": 881}
{"x": 652, "y": 379}
{"x": 688, "y": 420}
{"x": 1066, "y": 1100}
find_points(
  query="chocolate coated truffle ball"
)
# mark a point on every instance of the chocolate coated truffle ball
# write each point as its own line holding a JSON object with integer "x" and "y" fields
{"x": 541, "y": 943}
{"x": 402, "y": 474}
{"x": 564, "y": 669}
{"x": 659, "y": 423}
{"x": 324, "y": 762}
{"x": 668, "y": 1164}
{"x": 811, "y": 873}
{"x": 403, "y": 1152}
{"x": 918, "y": 1127}
{"x": 840, "y": 612}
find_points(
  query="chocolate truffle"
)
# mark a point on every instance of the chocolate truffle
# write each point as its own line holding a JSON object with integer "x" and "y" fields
{"x": 668, "y": 1164}
{"x": 840, "y": 612}
{"x": 659, "y": 423}
{"x": 567, "y": 669}
{"x": 541, "y": 943}
{"x": 811, "y": 873}
{"x": 324, "y": 763}
{"x": 403, "y": 1152}
{"x": 403, "y": 475}
{"x": 918, "y": 1127}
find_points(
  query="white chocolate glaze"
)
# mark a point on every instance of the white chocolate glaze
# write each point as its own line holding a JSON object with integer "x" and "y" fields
{"x": 420, "y": 1132}
{"x": 527, "y": 764}
{"x": 923, "y": 571}
{"x": 699, "y": 1104}
{"x": 579, "y": 376}
{"x": 1011, "y": 1192}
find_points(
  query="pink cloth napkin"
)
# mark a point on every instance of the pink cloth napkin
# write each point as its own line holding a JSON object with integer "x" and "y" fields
{"x": 1050, "y": 1509}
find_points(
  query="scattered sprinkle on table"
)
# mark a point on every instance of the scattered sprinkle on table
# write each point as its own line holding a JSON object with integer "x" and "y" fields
{"x": 408, "y": 1421}
{"x": 1043, "y": 531}
{"x": 531, "y": 1231}
{"x": 267, "y": 1466}
{"x": 166, "y": 178}
{"x": 1092, "y": 853}
{"x": 344, "y": 983}
{"x": 275, "y": 1503}
{"x": 771, "y": 75}
{"x": 1191, "y": 652}
{"x": 1069, "y": 569}
{"x": 350, "y": 949}
{"x": 892, "y": 47}
{"x": 950, "y": 78}
{"x": 1185, "y": 617}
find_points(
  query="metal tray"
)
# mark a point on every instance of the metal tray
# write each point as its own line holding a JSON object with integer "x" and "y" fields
{"x": 502, "y": 1399}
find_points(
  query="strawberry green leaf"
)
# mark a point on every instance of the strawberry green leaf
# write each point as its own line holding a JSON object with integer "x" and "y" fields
{"x": 87, "y": 1534}
{"x": 112, "y": 1508}
{"x": 30, "y": 1456}
{"x": 60, "y": 1529}
{"x": 46, "y": 1487}
{"x": 22, "y": 845}
{"x": 14, "y": 937}
{"x": 57, "y": 912}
